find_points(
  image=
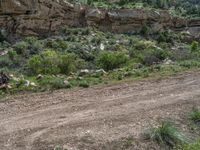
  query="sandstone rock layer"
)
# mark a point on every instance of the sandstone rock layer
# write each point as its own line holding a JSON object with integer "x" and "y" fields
{"x": 41, "y": 17}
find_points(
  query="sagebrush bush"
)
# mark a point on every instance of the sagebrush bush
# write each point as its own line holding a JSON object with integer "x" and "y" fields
{"x": 144, "y": 44}
{"x": 35, "y": 48}
{"x": 183, "y": 53}
{"x": 165, "y": 134}
{"x": 29, "y": 46}
{"x": 57, "y": 44}
{"x": 111, "y": 60}
{"x": 154, "y": 56}
{"x": 167, "y": 36}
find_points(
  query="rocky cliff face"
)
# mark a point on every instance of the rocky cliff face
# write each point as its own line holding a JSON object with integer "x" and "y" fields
{"x": 48, "y": 16}
{"x": 40, "y": 17}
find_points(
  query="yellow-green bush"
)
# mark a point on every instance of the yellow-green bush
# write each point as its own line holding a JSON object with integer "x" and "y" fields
{"x": 111, "y": 60}
{"x": 51, "y": 62}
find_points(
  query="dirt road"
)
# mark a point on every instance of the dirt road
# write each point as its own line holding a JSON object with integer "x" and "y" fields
{"x": 101, "y": 117}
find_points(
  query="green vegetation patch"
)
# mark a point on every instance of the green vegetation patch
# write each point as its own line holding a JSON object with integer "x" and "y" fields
{"x": 165, "y": 134}
{"x": 86, "y": 56}
{"x": 195, "y": 115}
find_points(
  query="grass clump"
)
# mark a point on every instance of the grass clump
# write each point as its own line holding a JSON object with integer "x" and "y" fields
{"x": 59, "y": 148}
{"x": 84, "y": 84}
{"x": 189, "y": 64}
{"x": 192, "y": 146}
{"x": 165, "y": 134}
{"x": 195, "y": 115}
{"x": 54, "y": 83}
{"x": 58, "y": 84}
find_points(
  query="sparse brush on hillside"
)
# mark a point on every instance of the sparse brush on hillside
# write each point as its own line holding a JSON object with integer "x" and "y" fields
{"x": 104, "y": 56}
{"x": 182, "y": 8}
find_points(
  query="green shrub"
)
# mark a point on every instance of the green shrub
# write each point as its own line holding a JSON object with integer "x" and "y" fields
{"x": 84, "y": 84}
{"x": 111, "y": 60}
{"x": 5, "y": 62}
{"x": 12, "y": 54}
{"x": 30, "y": 46}
{"x": 31, "y": 39}
{"x": 167, "y": 36}
{"x": 194, "y": 46}
{"x": 45, "y": 63}
{"x": 189, "y": 63}
{"x": 21, "y": 48}
{"x": 54, "y": 82}
{"x": 57, "y": 44}
{"x": 153, "y": 56}
{"x": 50, "y": 62}
{"x": 144, "y": 44}
{"x": 35, "y": 48}
{"x": 183, "y": 53}
{"x": 165, "y": 134}
{"x": 145, "y": 30}
{"x": 67, "y": 63}
{"x": 58, "y": 84}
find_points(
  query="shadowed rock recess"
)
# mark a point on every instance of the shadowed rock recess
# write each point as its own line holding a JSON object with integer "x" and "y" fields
{"x": 42, "y": 17}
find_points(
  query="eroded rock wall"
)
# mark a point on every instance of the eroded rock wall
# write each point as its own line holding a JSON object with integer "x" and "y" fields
{"x": 48, "y": 16}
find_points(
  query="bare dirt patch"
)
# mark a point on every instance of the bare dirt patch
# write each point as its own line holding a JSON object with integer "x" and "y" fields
{"x": 101, "y": 117}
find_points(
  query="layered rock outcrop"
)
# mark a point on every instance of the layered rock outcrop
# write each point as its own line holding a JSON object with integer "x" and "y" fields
{"x": 41, "y": 17}
{"x": 48, "y": 16}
